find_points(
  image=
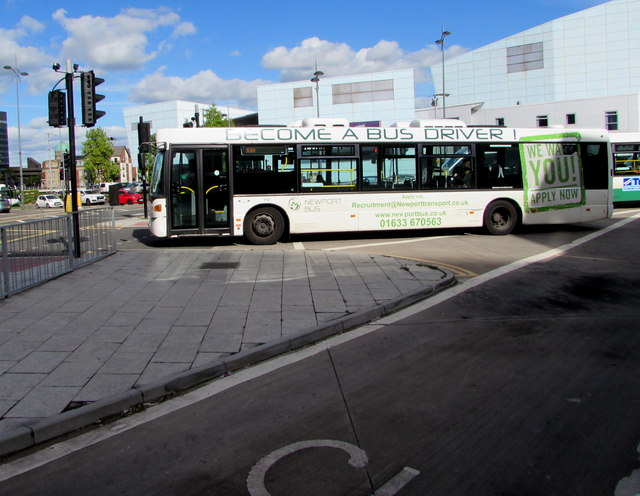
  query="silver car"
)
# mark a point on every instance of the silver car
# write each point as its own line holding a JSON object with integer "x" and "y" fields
{"x": 5, "y": 204}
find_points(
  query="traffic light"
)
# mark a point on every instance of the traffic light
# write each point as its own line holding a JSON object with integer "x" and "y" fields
{"x": 57, "y": 109}
{"x": 88, "y": 83}
{"x": 66, "y": 164}
{"x": 144, "y": 136}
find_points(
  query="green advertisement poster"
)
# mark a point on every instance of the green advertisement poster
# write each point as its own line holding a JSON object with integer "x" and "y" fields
{"x": 552, "y": 172}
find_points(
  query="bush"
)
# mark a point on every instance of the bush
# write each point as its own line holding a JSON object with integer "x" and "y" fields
{"x": 30, "y": 195}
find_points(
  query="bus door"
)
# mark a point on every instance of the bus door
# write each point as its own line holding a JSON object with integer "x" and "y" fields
{"x": 215, "y": 190}
{"x": 199, "y": 192}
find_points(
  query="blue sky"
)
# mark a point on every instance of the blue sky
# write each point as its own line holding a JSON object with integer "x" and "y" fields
{"x": 219, "y": 52}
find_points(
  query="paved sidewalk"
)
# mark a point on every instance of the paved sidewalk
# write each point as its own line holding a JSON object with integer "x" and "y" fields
{"x": 142, "y": 324}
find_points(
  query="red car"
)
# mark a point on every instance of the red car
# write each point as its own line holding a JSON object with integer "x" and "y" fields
{"x": 128, "y": 197}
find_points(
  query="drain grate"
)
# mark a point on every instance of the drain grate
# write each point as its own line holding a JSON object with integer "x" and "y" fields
{"x": 219, "y": 265}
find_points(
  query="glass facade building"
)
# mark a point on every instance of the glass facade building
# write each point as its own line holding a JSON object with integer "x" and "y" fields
{"x": 582, "y": 69}
{"x": 382, "y": 97}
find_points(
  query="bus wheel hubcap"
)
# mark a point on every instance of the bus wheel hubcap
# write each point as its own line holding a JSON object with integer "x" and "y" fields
{"x": 499, "y": 219}
{"x": 263, "y": 225}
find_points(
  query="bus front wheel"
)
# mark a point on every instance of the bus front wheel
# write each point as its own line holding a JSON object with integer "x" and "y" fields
{"x": 264, "y": 226}
{"x": 500, "y": 217}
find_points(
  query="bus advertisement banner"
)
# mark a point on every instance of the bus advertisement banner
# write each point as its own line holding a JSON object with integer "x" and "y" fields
{"x": 552, "y": 173}
{"x": 631, "y": 184}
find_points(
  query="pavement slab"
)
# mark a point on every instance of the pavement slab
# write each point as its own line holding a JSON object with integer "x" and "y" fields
{"x": 147, "y": 317}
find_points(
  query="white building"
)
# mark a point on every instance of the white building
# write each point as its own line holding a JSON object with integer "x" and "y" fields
{"x": 381, "y": 98}
{"x": 582, "y": 69}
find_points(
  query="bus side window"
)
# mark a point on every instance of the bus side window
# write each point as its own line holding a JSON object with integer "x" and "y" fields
{"x": 370, "y": 172}
{"x": 264, "y": 169}
{"x": 398, "y": 167}
{"x": 498, "y": 166}
{"x": 463, "y": 176}
{"x": 594, "y": 165}
{"x": 432, "y": 175}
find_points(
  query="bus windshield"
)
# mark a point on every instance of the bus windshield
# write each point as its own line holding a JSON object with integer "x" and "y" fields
{"x": 156, "y": 184}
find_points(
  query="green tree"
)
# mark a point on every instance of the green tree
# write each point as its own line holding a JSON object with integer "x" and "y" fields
{"x": 213, "y": 117}
{"x": 98, "y": 150}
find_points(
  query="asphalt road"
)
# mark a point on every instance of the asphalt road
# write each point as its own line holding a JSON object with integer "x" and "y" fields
{"x": 518, "y": 383}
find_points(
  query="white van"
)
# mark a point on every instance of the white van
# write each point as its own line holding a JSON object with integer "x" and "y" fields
{"x": 104, "y": 187}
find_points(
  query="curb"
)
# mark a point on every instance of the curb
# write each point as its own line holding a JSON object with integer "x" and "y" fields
{"x": 30, "y": 435}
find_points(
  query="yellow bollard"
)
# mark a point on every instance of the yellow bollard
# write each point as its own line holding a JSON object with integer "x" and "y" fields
{"x": 67, "y": 203}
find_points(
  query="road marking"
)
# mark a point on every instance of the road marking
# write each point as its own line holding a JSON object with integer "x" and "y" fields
{"x": 358, "y": 459}
{"x": 255, "y": 480}
{"x": 398, "y": 482}
{"x": 367, "y": 245}
{"x": 458, "y": 271}
{"x": 630, "y": 485}
{"x": 61, "y": 449}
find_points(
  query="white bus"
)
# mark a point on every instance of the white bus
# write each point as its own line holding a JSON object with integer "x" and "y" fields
{"x": 626, "y": 167}
{"x": 324, "y": 176}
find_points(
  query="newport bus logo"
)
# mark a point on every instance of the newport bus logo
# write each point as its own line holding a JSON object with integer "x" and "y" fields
{"x": 631, "y": 184}
{"x": 294, "y": 204}
{"x": 552, "y": 174}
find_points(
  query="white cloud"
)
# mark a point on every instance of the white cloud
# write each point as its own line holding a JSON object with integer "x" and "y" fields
{"x": 339, "y": 59}
{"x": 13, "y": 53}
{"x": 31, "y": 25}
{"x": 120, "y": 42}
{"x": 184, "y": 29}
{"x": 205, "y": 86}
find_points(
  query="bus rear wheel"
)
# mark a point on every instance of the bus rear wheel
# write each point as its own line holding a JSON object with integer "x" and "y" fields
{"x": 264, "y": 226}
{"x": 500, "y": 217}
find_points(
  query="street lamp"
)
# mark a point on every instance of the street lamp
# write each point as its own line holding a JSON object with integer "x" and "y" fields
{"x": 19, "y": 73}
{"x": 316, "y": 79}
{"x": 444, "y": 93}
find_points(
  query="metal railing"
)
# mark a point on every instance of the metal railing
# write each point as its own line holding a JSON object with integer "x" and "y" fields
{"x": 36, "y": 251}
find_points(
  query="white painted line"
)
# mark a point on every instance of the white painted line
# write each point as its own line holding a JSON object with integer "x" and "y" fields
{"x": 11, "y": 469}
{"x": 298, "y": 246}
{"x": 255, "y": 480}
{"x": 367, "y": 245}
{"x": 630, "y": 485}
{"x": 398, "y": 482}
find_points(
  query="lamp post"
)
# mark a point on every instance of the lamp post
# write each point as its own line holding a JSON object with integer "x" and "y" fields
{"x": 316, "y": 79}
{"x": 444, "y": 93}
{"x": 17, "y": 74}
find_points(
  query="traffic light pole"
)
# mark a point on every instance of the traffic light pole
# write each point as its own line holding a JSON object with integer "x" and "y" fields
{"x": 144, "y": 136}
{"x": 57, "y": 118}
{"x": 73, "y": 180}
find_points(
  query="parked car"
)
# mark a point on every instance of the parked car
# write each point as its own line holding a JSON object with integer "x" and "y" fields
{"x": 136, "y": 187}
{"x": 49, "y": 201}
{"x": 89, "y": 198}
{"x": 104, "y": 187}
{"x": 5, "y": 204}
{"x": 129, "y": 197}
